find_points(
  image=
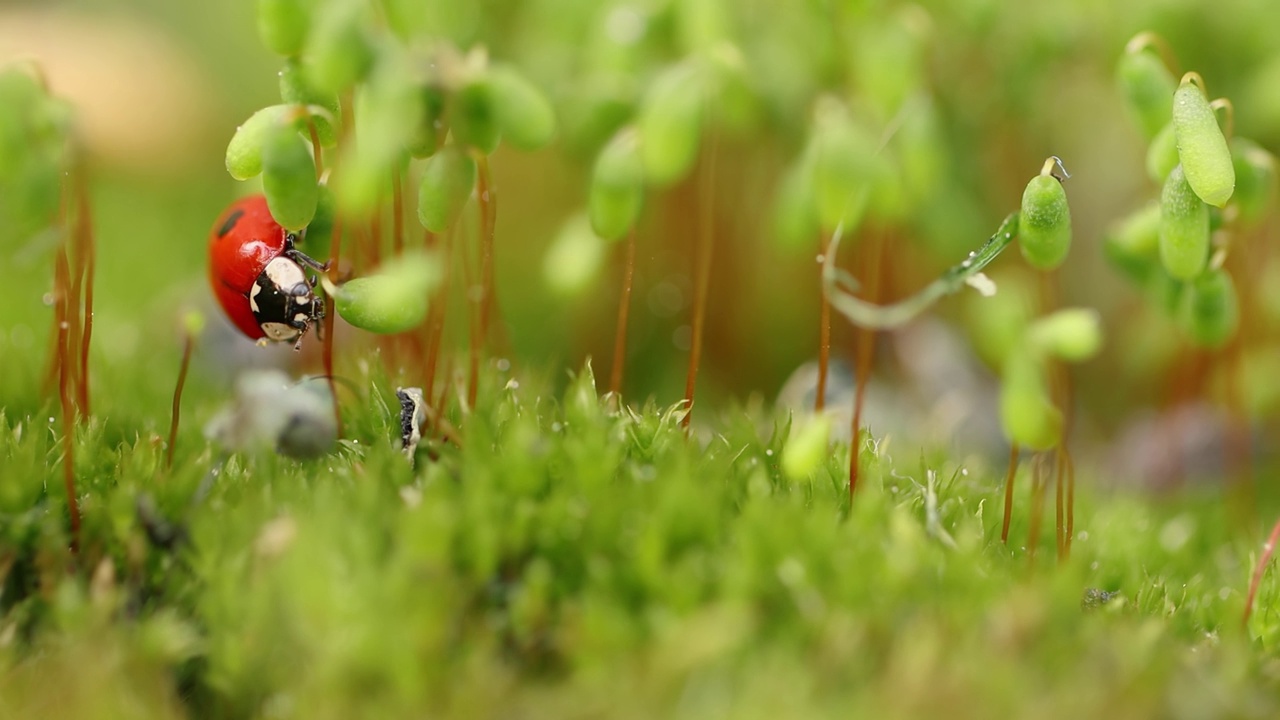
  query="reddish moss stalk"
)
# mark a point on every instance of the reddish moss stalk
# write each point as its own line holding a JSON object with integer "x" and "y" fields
{"x": 437, "y": 311}
{"x": 865, "y": 354}
{"x": 488, "y": 204}
{"x": 624, "y": 308}
{"x": 1071, "y": 504}
{"x": 61, "y": 272}
{"x": 1258, "y": 570}
{"x": 1059, "y": 481}
{"x": 335, "y": 254}
{"x": 1037, "y": 505}
{"x": 701, "y": 289}
{"x": 86, "y": 242}
{"x": 474, "y": 338}
{"x": 1009, "y": 478}
{"x": 188, "y": 344}
{"x": 397, "y": 213}
{"x": 824, "y": 334}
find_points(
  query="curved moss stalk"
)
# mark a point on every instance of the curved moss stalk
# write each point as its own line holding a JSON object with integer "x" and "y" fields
{"x": 868, "y": 314}
{"x": 188, "y": 345}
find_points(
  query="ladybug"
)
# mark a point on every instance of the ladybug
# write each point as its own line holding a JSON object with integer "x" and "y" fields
{"x": 258, "y": 275}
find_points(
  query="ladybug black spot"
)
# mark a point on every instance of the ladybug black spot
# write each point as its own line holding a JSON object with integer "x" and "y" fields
{"x": 230, "y": 223}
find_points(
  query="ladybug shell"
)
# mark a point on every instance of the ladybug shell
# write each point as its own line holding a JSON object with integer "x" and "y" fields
{"x": 243, "y": 240}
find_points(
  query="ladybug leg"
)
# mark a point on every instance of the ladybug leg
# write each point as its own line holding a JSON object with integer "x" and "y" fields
{"x": 303, "y": 259}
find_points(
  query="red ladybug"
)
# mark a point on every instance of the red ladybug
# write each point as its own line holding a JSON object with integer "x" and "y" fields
{"x": 258, "y": 276}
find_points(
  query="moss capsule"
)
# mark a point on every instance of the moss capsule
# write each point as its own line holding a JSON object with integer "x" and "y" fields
{"x": 1073, "y": 334}
{"x": 1162, "y": 154}
{"x": 283, "y": 25}
{"x": 844, "y": 168}
{"x": 338, "y": 52}
{"x": 1147, "y": 86}
{"x": 394, "y": 299}
{"x": 617, "y": 186}
{"x": 1133, "y": 245}
{"x": 447, "y": 181}
{"x": 1044, "y": 228}
{"x": 1026, "y": 413}
{"x": 1209, "y": 310}
{"x": 473, "y": 115}
{"x": 523, "y": 113}
{"x": 574, "y": 258}
{"x": 1184, "y": 228}
{"x": 295, "y": 90}
{"x": 244, "y": 152}
{"x": 1202, "y": 148}
{"x": 1255, "y": 179}
{"x": 289, "y": 178}
{"x": 670, "y": 124}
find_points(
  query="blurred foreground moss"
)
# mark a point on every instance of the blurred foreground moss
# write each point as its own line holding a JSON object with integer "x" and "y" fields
{"x": 570, "y": 560}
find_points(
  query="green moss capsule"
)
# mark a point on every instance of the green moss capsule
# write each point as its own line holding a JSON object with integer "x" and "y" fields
{"x": 1162, "y": 154}
{"x": 670, "y": 124}
{"x": 574, "y": 258}
{"x": 1209, "y": 310}
{"x": 473, "y": 115}
{"x": 1202, "y": 148}
{"x": 394, "y": 299}
{"x": 617, "y": 187}
{"x": 338, "y": 52}
{"x": 807, "y": 449}
{"x": 447, "y": 181}
{"x": 523, "y": 113}
{"x": 289, "y": 178}
{"x": 1028, "y": 416}
{"x": 244, "y": 152}
{"x": 844, "y": 168}
{"x": 283, "y": 25}
{"x": 1184, "y": 228}
{"x": 1073, "y": 334}
{"x": 1044, "y": 228}
{"x": 318, "y": 237}
{"x": 1255, "y": 179}
{"x": 1133, "y": 245}
{"x": 1147, "y": 86}
{"x": 426, "y": 136}
{"x": 295, "y": 90}
{"x": 33, "y": 132}
{"x": 795, "y": 221}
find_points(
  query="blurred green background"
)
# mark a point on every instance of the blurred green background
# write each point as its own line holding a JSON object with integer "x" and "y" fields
{"x": 162, "y": 86}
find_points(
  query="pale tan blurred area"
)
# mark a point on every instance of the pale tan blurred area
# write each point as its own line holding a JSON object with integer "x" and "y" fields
{"x": 140, "y": 98}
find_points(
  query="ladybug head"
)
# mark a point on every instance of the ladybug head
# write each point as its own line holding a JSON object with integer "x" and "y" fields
{"x": 283, "y": 302}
